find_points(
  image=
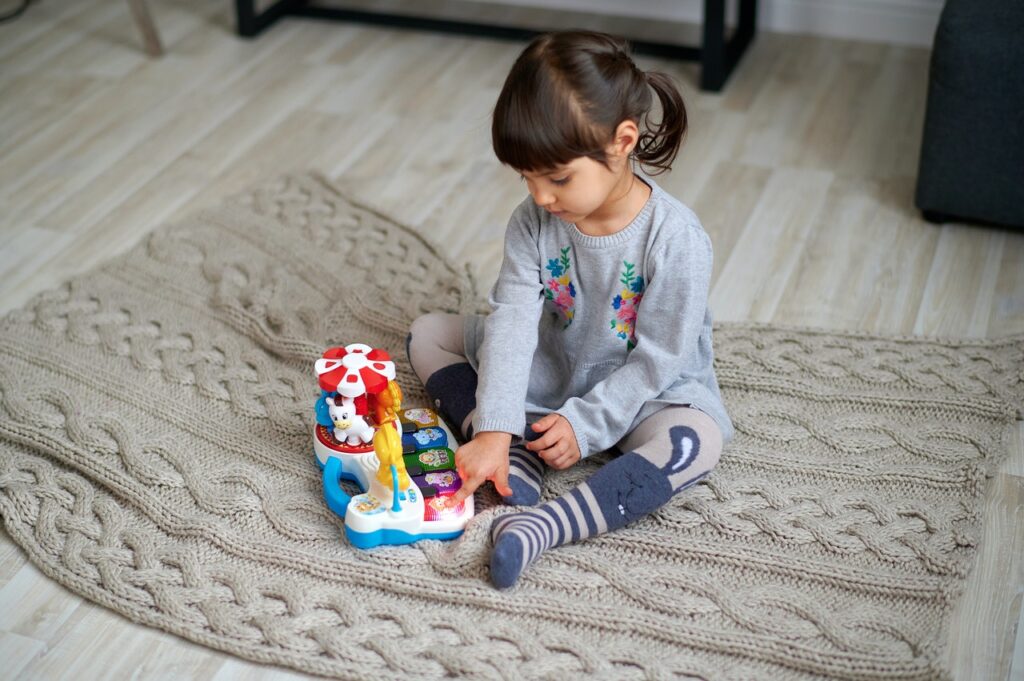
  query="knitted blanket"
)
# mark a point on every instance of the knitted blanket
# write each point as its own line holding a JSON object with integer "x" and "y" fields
{"x": 155, "y": 457}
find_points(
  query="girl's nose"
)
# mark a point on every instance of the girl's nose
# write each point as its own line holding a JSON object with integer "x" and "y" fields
{"x": 543, "y": 199}
{"x": 540, "y": 197}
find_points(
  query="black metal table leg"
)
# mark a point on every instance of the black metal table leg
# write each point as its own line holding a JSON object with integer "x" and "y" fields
{"x": 251, "y": 23}
{"x": 718, "y": 56}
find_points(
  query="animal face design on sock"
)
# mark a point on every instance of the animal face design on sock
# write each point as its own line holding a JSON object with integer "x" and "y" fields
{"x": 641, "y": 490}
{"x": 349, "y": 427}
{"x": 633, "y": 486}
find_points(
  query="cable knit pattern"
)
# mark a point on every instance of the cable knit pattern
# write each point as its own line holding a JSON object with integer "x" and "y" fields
{"x": 156, "y": 459}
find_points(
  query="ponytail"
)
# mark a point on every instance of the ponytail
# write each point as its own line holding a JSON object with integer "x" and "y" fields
{"x": 659, "y": 144}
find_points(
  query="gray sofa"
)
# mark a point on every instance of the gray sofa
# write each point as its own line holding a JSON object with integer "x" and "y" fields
{"x": 972, "y": 152}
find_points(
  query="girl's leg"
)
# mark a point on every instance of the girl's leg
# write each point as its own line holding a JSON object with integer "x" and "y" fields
{"x": 437, "y": 353}
{"x": 525, "y": 475}
{"x": 665, "y": 454}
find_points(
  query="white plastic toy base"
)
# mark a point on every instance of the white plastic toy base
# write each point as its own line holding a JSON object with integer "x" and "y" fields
{"x": 371, "y": 518}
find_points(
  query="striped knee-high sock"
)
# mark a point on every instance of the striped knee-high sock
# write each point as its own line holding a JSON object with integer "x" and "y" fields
{"x": 623, "y": 490}
{"x": 525, "y": 476}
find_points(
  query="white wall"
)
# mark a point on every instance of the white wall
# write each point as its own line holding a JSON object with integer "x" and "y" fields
{"x": 910, "y": 22}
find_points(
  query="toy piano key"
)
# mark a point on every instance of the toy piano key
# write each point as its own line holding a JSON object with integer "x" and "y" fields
{"x": 358, "y": 436}
{"x": 436, "y": 509}
{"x": 421, "y": 417}
{"x": 438, "y": 482}
{"x": 426, "y": 460}
{"x": 424, "y": 438}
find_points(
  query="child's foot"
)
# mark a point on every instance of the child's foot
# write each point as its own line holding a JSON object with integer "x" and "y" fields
{"x": 519, "y": 539}
{"x": 525, "y": 477}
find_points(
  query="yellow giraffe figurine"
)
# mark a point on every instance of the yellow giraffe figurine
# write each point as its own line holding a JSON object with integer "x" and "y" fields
{"x": 388, "y": 445}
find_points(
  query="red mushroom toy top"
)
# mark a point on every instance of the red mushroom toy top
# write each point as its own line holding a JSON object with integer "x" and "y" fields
{"x": 355, "y": 370}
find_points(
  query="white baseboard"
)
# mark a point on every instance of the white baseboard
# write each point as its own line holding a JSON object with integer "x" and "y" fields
{"x": 908, "y": 22}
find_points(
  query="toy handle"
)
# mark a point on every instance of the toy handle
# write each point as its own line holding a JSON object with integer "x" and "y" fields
{"x": 334, "y": 495}
{"x": 323, "y": 412}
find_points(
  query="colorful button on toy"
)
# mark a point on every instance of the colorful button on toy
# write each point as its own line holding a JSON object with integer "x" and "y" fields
{"x": 427, "y": 460}
{"x": 435, "y": 509}
{"x": 424, "y": 438}
{"x": 421, "y": 418}
{"x": 438, "y": 482}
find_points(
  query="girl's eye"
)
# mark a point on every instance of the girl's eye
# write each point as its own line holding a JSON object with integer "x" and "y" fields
{"x": 562, "y": 181}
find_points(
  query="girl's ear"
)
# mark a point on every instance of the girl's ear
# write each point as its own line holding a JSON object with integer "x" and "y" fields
{"x": 627, "y": 133}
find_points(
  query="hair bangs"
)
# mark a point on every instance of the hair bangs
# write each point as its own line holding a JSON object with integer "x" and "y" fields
{"x": 538, "y": 125}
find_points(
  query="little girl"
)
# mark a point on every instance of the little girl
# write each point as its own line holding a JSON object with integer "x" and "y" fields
{"x": 600, "y": 333}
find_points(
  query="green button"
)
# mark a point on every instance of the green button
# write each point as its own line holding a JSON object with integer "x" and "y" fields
{"x": 436, "y": 459}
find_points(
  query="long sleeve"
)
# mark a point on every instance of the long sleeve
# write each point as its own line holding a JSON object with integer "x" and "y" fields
{"x": 510, "y": 336}
{"x": 669, "y": 322}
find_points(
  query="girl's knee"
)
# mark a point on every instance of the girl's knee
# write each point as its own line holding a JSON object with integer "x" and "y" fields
{"x": 697, "y": 448}
{"x": 684, "y": 444}
{"x": 435, "y": 340}
{"x": 438, "y": 329}
{"x": 425, "y": 328}
{"x": 712, "y": 443}
{"x": 695, "y": 452}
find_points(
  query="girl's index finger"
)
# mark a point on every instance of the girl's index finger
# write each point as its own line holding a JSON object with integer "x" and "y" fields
{"x": 463, "y": 493}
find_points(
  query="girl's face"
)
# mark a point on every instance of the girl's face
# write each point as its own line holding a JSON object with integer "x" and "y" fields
{"x": 584, "y": 188}
{"x": 573, "y": 191}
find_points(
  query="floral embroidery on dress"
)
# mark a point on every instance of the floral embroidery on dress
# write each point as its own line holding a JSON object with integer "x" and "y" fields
{"x": 626, "y": 305}
{"x": 560, "y": 289}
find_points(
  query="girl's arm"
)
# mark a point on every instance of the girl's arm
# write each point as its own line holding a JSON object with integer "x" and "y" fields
{"x": 669, "y": 322}
{"x": 504, "y": 360}
{"x": 510, "y": 333}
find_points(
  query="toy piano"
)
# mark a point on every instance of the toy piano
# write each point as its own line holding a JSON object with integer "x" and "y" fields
{"x": 401, "y": 459}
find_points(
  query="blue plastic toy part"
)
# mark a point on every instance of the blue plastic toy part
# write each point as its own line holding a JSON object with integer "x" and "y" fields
{"x": 395, "y": 506}
{"x": 367, "y": 540}
{"x": 323, "y": 410}
{"x": 334, "y": 495}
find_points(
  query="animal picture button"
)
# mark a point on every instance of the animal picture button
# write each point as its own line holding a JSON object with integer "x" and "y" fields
{"x": 444, "y": 482}
{"x": 424, "y": 438}
{"x": 435, "y": 509}
{"x": 430, "y": 459}
{"x": 422, "y": 418}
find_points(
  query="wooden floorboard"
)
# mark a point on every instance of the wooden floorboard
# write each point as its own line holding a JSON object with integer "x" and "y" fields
{"x": 802, "y": 171}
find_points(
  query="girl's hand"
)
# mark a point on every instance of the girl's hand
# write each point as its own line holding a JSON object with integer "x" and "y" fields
{"x": 557, "y": 446}
{"x": 483, "y": 458}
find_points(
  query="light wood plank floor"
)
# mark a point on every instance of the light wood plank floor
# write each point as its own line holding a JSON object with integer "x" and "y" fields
{"x": 802, "y": 171}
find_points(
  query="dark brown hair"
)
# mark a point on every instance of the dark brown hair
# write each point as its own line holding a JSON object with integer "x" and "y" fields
{"x": 567, "y": 93}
